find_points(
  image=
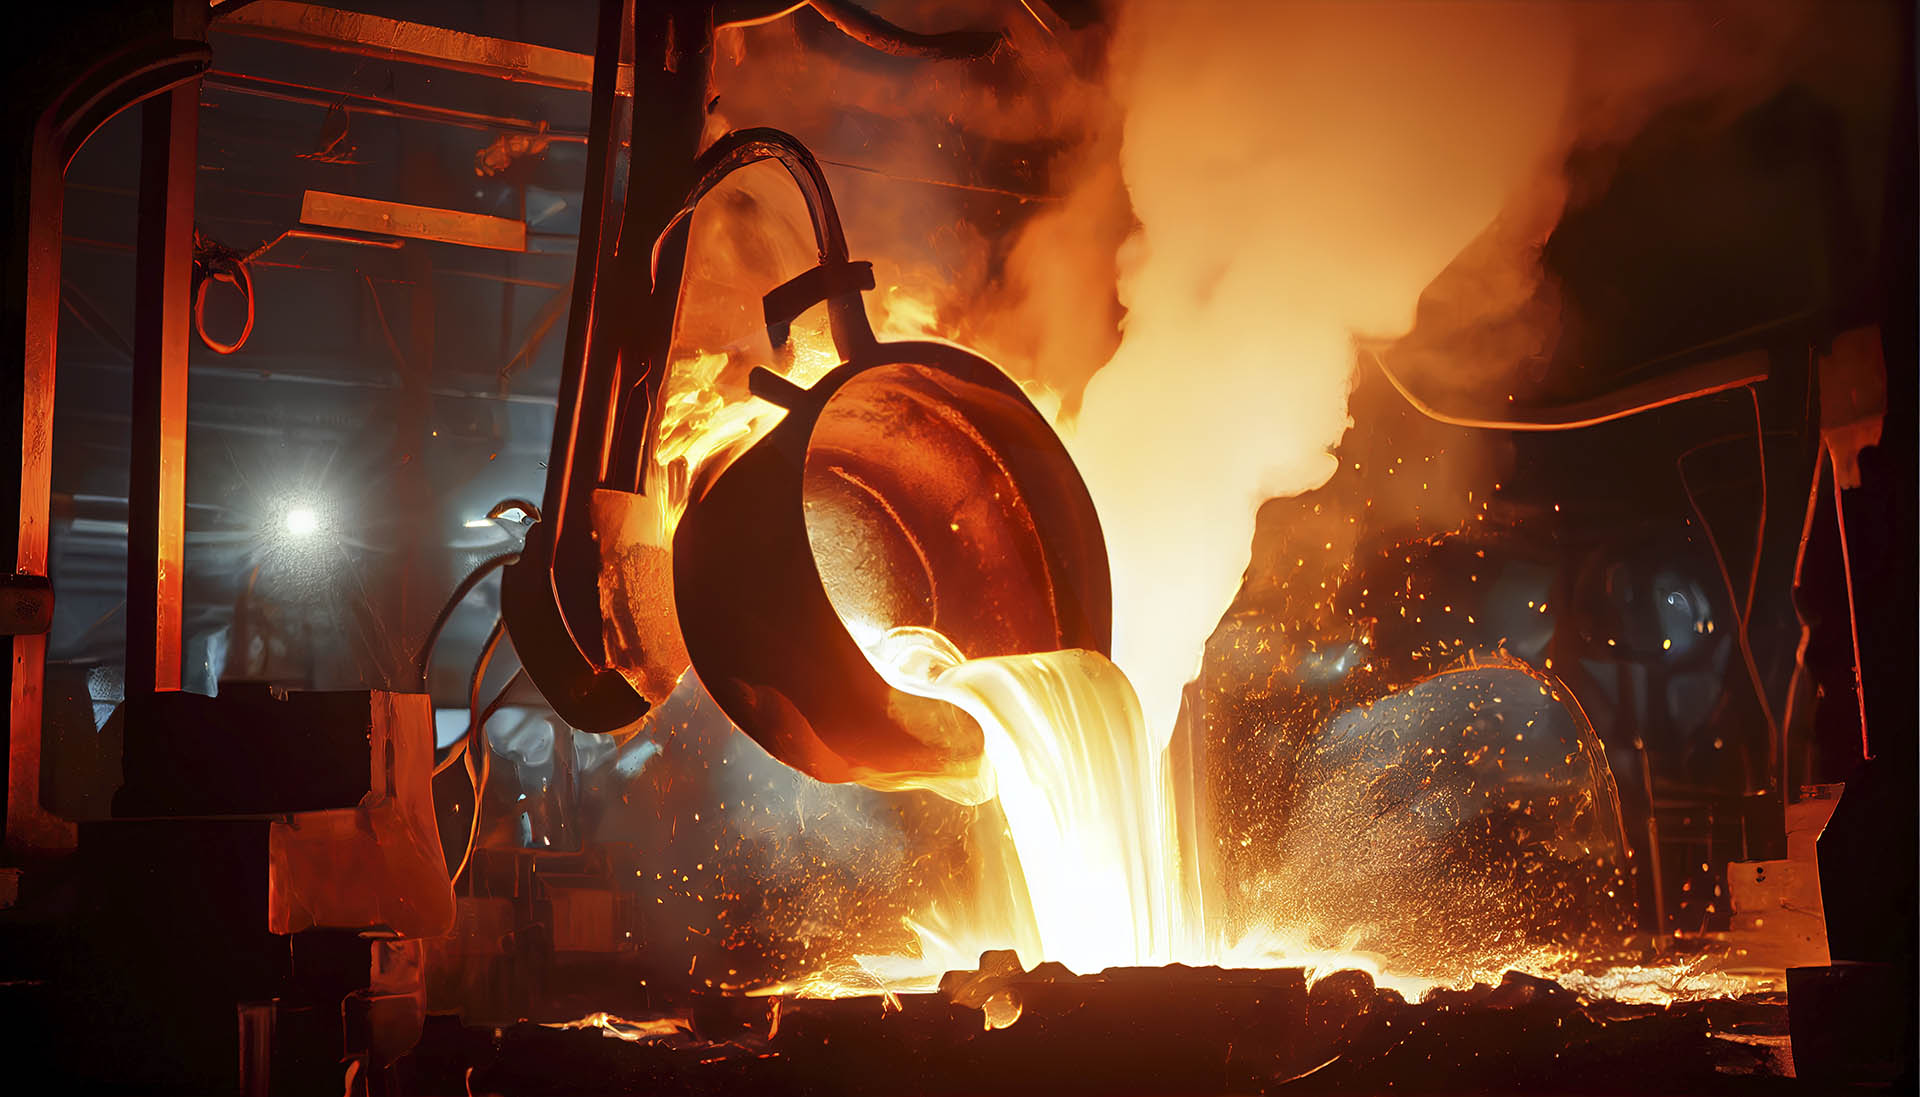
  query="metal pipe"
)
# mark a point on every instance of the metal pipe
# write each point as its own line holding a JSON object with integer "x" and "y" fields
{"x": 1719, "y": 375}
{"x": 262, "y": 87}
{"x": 865, "y": 27}
{"x": 874, "y": 32}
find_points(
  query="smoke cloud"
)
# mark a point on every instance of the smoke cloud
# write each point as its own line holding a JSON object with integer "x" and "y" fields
{"x": 1262, "y": 181}
{"x": 1299, "y": 174}
{"x": 1491, "y": 322}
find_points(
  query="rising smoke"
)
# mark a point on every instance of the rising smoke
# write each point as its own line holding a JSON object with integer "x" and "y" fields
{"x": 1261, "y": 181}
{"x": 1299, "y": 173}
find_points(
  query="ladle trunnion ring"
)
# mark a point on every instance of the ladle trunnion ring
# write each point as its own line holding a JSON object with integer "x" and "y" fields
{"x": 915, "y": 485}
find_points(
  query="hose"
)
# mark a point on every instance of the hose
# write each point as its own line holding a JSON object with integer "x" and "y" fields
{"x": 1742, "y": 612}
{"x": 424, "y": 660}
{"x": 473, "y": 695}
{"x": 479, "y": 773}
{"x": 870, "y": 30}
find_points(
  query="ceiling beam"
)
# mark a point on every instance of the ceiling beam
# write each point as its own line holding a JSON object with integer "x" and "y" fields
{"x": 363, "y": 35}
{"x": 477, "y": 230}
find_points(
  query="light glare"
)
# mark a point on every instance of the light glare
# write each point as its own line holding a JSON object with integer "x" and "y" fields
{"x": 302, "y": 521}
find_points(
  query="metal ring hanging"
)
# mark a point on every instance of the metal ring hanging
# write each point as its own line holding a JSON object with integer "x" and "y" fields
{"x": 214, "y": 262}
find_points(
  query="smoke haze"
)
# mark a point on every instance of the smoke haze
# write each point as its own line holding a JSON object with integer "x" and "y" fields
{"x": 1180, "y": 218}
{"x": 1299, "y": 173}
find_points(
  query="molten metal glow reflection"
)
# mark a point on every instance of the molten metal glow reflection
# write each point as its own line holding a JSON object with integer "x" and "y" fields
{"x": 633, "y": 1032}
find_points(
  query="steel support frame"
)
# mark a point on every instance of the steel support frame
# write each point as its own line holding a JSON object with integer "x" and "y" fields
{"x": 620, "y": 328}
{"x": 137, "y": 62}
{"x": 30, "y": 828}
{"x": 163, "y": 281}
{"x": 550, "y": 596}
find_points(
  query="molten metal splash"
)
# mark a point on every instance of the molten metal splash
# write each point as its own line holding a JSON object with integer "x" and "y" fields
{"x": 633, "y": 1032}
{"x": 1085, "y": 793}
{"x": 1662, "y": 984}
{"x": 1082, "y": 864}
{"x": 1078, "y": 854}
{"x": 704, "y": 424}
{"x": 707, "y": 416}
{"x": 1089, "y": 851}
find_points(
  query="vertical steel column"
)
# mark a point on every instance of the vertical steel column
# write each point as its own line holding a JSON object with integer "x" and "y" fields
{"x": 156, "y": 506}
{"x": 416, "y": 572}
{"x": 39, "y": 172}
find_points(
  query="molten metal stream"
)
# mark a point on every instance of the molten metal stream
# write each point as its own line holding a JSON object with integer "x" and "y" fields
{"x": 1085, "y": 792}
{"x": 1093, "y": 880}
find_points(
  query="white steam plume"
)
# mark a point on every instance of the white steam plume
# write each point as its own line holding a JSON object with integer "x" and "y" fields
{"x": 1299, "y": 172}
